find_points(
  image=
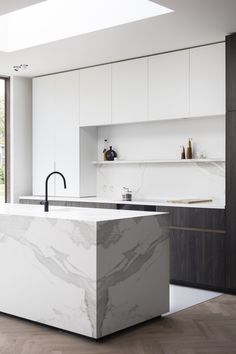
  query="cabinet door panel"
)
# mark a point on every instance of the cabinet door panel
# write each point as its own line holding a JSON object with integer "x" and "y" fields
{"x": 66, "y": 144}
{"x": 207, "y": 80}
{"x": 95, "y": 96}
{"x": 169, "y": 85}
{"x": 203, "y": 218}
{"x": 43, "y": 133}
{"x": 197, "y": 258}
{"x": 129, "y": 91}
{"x": 56, "y": 133}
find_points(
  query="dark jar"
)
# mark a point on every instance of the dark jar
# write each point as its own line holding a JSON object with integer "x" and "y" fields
{"x": 111, "y": 154}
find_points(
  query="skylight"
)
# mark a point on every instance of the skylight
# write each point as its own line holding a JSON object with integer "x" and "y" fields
{"x": 53, "y": 20}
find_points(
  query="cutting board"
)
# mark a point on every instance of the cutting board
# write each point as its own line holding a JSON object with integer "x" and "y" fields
{"x": 189, "y": 201}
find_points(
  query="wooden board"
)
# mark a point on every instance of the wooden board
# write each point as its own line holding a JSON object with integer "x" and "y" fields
{"x": 189, "y": 201}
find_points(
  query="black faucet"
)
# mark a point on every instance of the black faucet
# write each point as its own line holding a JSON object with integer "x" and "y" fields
{"x": 46, "y": 202}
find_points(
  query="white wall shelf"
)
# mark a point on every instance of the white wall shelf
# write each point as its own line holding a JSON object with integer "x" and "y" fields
{"x": 120, "y": 162}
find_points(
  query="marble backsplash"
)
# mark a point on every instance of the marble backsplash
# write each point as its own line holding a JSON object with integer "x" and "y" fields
{"x": 162, "y": 140}
{"x": 162, "y": 181}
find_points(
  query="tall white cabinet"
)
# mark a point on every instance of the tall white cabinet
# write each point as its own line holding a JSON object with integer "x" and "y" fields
{"x": 43, "y": 133}
{"x": 129, "y": 91}
{"x": 56, "y": 133}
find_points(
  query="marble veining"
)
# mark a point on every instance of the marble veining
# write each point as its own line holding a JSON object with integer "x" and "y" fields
{"x": 88, "y": 277}
{"x": 148, "y": 181}
{"x": 128, "y": 266}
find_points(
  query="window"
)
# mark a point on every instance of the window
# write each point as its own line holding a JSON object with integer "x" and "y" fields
{"x": 4, "y": 89}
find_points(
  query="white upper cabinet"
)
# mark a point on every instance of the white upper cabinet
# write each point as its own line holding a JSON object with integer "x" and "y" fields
{"x": 169, "y": 85}
{"x": 95, "y": 96}
{"x": 129, "y": 91}
{"x": 207, "y": 80}
{"x": 56, "y": 133}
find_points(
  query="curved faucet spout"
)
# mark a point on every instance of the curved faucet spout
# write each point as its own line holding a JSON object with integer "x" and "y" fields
{"x": 46, "y": 203}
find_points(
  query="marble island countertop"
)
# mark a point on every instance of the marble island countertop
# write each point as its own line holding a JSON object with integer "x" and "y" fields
{"x": 215, "y": 204}
{"x": 72, "y": 213}
{"x": 88, "y": 271}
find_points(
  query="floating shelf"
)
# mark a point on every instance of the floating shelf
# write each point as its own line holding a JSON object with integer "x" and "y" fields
{"x": 121, "y": 162}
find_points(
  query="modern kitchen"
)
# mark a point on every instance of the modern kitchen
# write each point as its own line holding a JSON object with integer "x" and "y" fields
{"x": 117, "y": 176}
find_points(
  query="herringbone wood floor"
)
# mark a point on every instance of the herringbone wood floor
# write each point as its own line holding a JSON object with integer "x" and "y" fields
{"x": 207, "y": 328}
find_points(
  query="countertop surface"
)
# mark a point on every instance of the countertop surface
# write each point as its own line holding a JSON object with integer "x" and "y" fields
{"x": 72, "y": 213}
{"x": 215, "y": 204}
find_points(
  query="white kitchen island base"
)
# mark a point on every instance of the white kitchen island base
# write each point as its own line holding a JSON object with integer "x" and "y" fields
{"x": 88, "y": 271}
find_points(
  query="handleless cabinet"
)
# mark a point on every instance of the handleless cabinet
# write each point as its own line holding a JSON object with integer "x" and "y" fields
{"x": 207, "y": 80}
{"x": 43, "y": 134}
{"x": 197, "y": 246}
{"x": 66, "y": 143}
{"x": 56, "y": 133}
{"x": 95, "y": 96}
{"x": 168, "y": 80}
{"x": 197, "y": 258}
{"x": 129, "y": 91}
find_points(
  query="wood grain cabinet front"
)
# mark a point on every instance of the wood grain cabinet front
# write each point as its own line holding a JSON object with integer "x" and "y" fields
{"x": 203, "y": 218}
{"x": 197, "y": 246}
{"x": 197, "y": 258}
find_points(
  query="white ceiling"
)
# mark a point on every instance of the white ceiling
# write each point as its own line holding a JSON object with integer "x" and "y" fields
{"x": 194, "y": 22}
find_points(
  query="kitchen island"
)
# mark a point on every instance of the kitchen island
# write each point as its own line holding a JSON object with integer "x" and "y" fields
{"x": 88, "y": 271}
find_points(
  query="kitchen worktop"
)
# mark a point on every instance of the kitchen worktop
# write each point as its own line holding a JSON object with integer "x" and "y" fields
{"x": 69, "y": 213}
{"x": 85, "y": 270}
{"x": 215, "y": 204}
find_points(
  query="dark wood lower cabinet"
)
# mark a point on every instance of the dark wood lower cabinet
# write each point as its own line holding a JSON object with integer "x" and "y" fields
{"x": 200, "y": 218}
{"x": 197, "y": 246}
{"x": 197, "y": 258}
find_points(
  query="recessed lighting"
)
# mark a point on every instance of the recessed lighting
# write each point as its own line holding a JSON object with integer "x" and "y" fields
{"x": 53, "y": 20}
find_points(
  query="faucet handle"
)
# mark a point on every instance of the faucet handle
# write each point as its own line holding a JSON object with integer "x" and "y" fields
{"x": 45, "y": 203}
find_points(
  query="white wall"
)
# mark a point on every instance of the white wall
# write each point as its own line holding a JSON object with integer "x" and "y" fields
{"x": 162, "y": 140}
{"x": 21, "y": 137}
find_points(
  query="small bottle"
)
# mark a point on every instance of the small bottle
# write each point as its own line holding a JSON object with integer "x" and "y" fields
{"x": 183, "y": 154}
{"x": 129, "y": 195}
{"x": 105, "y": 150}
{"x": 111, "y": 154}
{"x": 126, "y": 194}
{"x": 189, "y": 150}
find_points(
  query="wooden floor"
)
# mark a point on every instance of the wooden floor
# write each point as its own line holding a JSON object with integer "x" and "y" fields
{"x": 206, "y": 328}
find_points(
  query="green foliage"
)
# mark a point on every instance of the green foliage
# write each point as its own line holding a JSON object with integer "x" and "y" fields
{"x": 2, "y": 175}
{"x": 2, "y": 120}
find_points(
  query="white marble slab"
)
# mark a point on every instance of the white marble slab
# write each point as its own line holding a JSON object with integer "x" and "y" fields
{"x": 71, "y": 213}
{"x": 177, "y": 181}
{"x": 81, "y": 271}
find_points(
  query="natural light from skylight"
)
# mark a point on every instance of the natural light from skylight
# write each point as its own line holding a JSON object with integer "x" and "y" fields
{"x": 53, "y": 20}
